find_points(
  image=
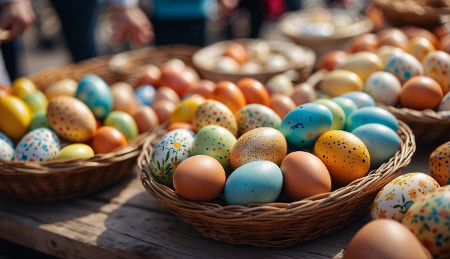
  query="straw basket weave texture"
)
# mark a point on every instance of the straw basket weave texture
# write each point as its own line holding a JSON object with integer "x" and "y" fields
{"x": 56, "y": 180}
{"x": 280, "y": 224}
{"x": 301, "y": 60}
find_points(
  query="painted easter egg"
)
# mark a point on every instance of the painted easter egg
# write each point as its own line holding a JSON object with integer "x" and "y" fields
{"x": 383, "y": 87}
{"x": 404, "y": 66}
{"x": 95, "y": 93}
{"x": 439, "y": 164}
{"x": 436, "y": 65}
{"x": 38, "y": 145}
{"x": 256, "y": 115}
{"x": 212, "y": 112}
{"x": 6, "y": 151}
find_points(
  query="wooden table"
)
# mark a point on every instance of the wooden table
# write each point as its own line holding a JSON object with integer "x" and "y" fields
{"x": 124, "y": 221}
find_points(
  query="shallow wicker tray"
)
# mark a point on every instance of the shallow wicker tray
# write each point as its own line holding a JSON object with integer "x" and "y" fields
{"x": 203, "y": 61}
{"x": 56, "y": 180}
{"x": 280, "y": 224}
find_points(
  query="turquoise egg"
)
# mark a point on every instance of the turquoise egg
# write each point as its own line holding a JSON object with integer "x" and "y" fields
{"x": 39, "y": 120}
{"x": 368, "y": 115}
{"x": 304, "y": 124}
{"x": 347, "y": 105}
{"x": 256, "y": 115}
{"x": 381, "y": 141}
{"x": 254, "y": 182}
{"x": 361, "y": 99}
{"x": 124, "y": 122}
{"x": 336, "y": 111}
{"x": 6, "y": 139}
{"x": 95, "y": 93}
{"x": 145, "y": 94}
{"x": 6, "y": 151}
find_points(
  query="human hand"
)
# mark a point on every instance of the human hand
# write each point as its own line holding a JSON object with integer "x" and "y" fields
{"x": 16, "y": 17}
{"x": 227, "y": 7}
{"x": 130, "y": 21}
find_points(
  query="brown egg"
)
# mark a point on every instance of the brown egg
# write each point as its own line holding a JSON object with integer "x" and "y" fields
{"x": 393, "y": 37}
{"x": 364, "y": 42}
{"x": 413, "y": 32}
{"x": 166, "y": 93}
{"x": 163, "y": 110}
{"x": 331, "y": 60}
{"x": 229, "y": 94}
{"x": 254, "y": 91}
{"x": 281, "y": 104}
{"x": 385, "y": 238}
{"x": 107, "y": 139}
{"x": 199, "y": 178}
{"x": 421, "y": 92}
{"x": 304, "y": 175}
{"x": 150, "y": 75}
{"x": 204, "y": 88}
{"x": 146, "y": 118}
{"x": 180, "y": 81}
{"x": 181, "y": 125}
{"x": 237, "y": 52}
{"x": 124, "y": 98}
{"x": 303, "y": 93}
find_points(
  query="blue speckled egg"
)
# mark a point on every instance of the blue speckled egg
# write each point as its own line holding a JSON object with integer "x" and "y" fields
{"x": 38, "y": 145}
{"x": 304, "y": 124}
{"x": 145, "y": 94}
{"x": 255, "y": 182}
{"x": 368, "y": 115}
{"x": 95, "y": 93}
{"x": 256, "y": 115}
{"x": 173, "y": 148}
{"x": 6, "y": 151}
{"x": 336, "y": 110}
{"x": 346, "y": 104}
{"x": 361, "y": 99}
{"x": 404, "y": 66}
{"x": 381, "y": 141}
{"x": 6, "y": 139}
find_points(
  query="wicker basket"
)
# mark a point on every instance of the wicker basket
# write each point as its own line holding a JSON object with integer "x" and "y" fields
{"x": 56, "y": 180}
{"x": 281, "y": 224}
{"x": 303, "y": 63}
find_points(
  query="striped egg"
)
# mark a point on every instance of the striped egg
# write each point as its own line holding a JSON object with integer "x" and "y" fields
{"x": 439, "y": 163}
{"x": 212, "y": 112}
{"x": 259, "y": 144}
{"x": 256, "y": 115}
{"x": 345, "y": 156}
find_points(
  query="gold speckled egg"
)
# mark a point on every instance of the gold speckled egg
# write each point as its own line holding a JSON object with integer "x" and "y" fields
{"x": 345, "y": 156}
{"x": 259, "y": 144}
{"x": 212, "y": 112}
{"x": 439, "y": 164}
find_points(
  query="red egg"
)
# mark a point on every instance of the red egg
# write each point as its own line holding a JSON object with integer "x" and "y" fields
{"x": 281, "y": 104}
{"x": 254, "y": 91}
{"x": 331, "y": 60}
{"x": 108, "y": 139}
{"x": 365, "y": 42}
{"x": 149, "y": 76}
{"x": 229, "y": 94}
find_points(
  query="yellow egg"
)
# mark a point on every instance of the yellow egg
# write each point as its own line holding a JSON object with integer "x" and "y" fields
{"x": 341, "y": 81}
{"x": 184, "y": 112}
{"x": 419, "y": 47}
{"x": 363, "y": 64}
{"x": 22, "y": 86}
{"x": 345, "y": 156}
{"x": 62, "y": 87}
{"x": 15, "y": 117}
{"x": 74, "y": 151}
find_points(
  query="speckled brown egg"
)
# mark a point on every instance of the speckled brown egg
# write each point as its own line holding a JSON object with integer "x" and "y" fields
{"x": 439, "y": 164}
{"x": 263, "y": 143}
{"x": 345, "y": 156}
{"x": 212, "y": 112}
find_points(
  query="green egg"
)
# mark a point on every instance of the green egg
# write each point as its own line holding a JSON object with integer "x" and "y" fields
{"x": 36, "y": 101}
{"x": 73, "y": 151}
{"x": 336, "y": 111}
{"x": 123, "y": 122}
{"x": 39, "y": 120}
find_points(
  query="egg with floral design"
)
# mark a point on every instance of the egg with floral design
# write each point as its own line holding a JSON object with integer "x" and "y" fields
{"x": 429, "y": 219}
{"x": 256, "y": 115}
{"x": 437, "y": 66}
{"x": 168, "y": 153}
{"x": 396, "y": 197}
{"x": 38, "y": 145}
{"x": 212, "y": 112}
{"x": 6, "y": 151}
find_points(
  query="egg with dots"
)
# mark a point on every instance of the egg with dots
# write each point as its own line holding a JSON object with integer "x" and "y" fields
{"x": 181, "y": 80}
{"x": 385, "y": 238}
{"x": 281, "y": 104}
{"x": 124, "y": 98}
{"x": 199, "y": 178}
{"x": 146, "y": 118}
{"x": 263, "y": 143}
{"x": 419, "y": 47}
{"x": 421, "y": 92}
{"x": 363, "y": 64}
{"x": 304, "y": 175}
{"x": 396, "y": 197}
{"x": 345, "y": 156}
{"x": 124, "y": 122}
{"x": 331, "y": 60}
{"x": 168, "y": 153}
{"x": 212, "y": 112}
{"x": 22, "y": 86}
{"x": 38, "y": 145}
{"x": 436, "y": 65}
{"x": 429, "y": 220}
{"x": 303, "y": 93}
{"x": 339, "y": 82}
{"x": 236, "y": 51}
{"x": 254, "y": 91}
{"x": 303, "y": 125}
{"x": 95, "y": 93}
{"x": 16, "y": 117}
{"x": 393, "y": 37}
{"x": 229, "y": 94}
{"x": 256, "y": 115}
{"x": 150, "y": 75}
{"x": 184, "y": 112}
{"x": 371, "y": 114}
{"x": 204, "y": 88}
{"x": 364, "y": 42}
{"x": 445, "y": 104}
{"x": 280, "y": 84}
{"x": 71, "y": 119}
{"x": 6, "y": 139}
{"x": 6, "y": 151}
{"x": 62, "y": 87}
{"x": 108, "y": 139}
{"x": 383, "y": 87}
{"x": 386, "y": 51}
{"x": 404, "y": 66}
{"x": 214, "y": 141}
{"x": 439, "y": 164}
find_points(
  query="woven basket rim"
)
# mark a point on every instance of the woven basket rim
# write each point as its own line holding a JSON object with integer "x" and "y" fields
{"x": 208, "y": 209}
{"x": 427, "y": 116}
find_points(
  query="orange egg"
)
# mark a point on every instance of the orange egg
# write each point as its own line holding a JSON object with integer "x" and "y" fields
{"x": 180, "y": 81}
{"x": 181, "y": 125}
{"x": 365, "y": 42}
{"x": 331, "y": 60}
{"x": 413, "y": 32}
{"x": 204, "y": 88}
{"x": 199, "y": 178}
{"x": 166, "y": 93}
{"x": 393, "y": 37}
{"x": 229, "y": 94}
{"x": 163, "y": 109}
{"x": 254, "y": 91}
{"x": 4, "y": 91}
{"x": 149, "y": 76}
{"x": 107, "y": 139}
{"x": 421, "y": 92}
{"x": 237, "y": 52}
{"x": 146, "y": 118}
{"x": 281, "y": 104}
